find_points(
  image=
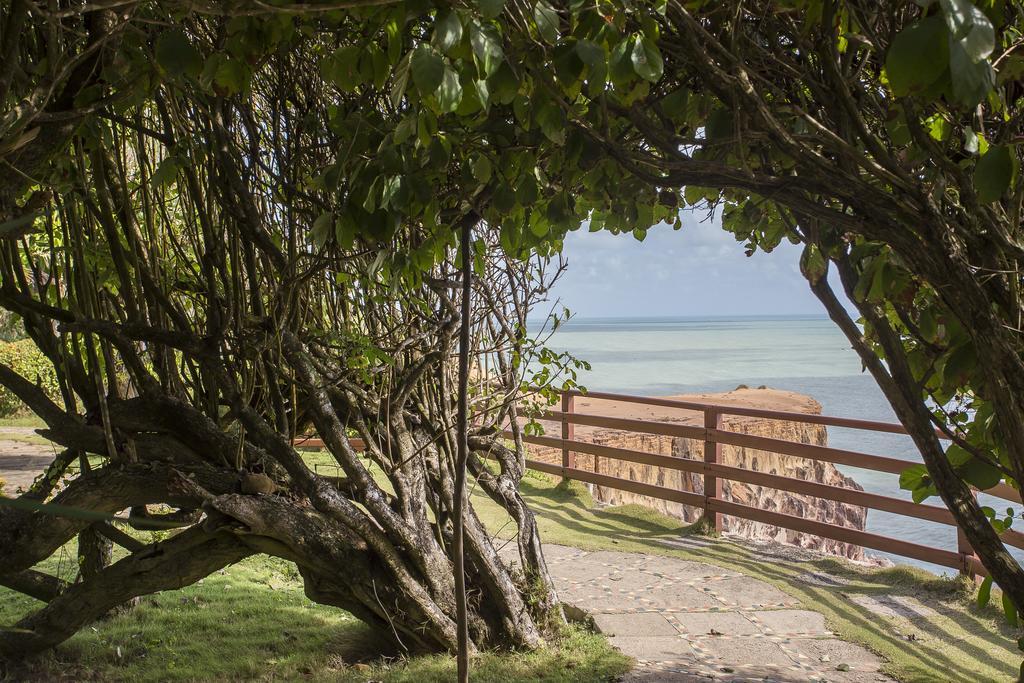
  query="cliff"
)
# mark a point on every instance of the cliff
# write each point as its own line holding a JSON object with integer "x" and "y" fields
{"x": 765, "y": 498}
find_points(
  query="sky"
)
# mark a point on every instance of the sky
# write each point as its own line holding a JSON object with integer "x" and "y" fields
{"x": 700, "y": 270}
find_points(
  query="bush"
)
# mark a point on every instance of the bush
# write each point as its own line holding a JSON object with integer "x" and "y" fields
{"x": 25, "y": 358}
{"x": 2, "y": 484}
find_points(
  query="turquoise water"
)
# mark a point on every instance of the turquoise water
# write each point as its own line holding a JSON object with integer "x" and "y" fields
{"x": 809, "y": 355}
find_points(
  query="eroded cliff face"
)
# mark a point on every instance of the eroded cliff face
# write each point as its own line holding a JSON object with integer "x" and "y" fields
{"x": 799, "y": 505}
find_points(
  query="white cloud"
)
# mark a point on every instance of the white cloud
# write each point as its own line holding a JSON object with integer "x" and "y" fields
{"x": 700, "y": 270}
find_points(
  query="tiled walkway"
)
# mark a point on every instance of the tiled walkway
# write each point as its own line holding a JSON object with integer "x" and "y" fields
{"x": 689, "y": 621}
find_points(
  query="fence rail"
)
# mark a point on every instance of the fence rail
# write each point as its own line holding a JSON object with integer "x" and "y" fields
{"x": 713, "y": 472}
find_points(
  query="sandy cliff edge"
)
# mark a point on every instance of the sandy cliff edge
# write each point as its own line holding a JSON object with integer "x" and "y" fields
{"x": 762, "y": 461}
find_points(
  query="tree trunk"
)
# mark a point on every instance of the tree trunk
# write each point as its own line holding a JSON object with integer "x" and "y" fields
{"x": 899, "y": 387}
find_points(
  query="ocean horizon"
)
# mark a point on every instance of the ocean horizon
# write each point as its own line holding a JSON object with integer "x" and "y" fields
{"x": 660, "y": 356}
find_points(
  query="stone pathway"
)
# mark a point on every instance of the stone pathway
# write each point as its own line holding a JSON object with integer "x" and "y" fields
{"x": 689, "y": 621}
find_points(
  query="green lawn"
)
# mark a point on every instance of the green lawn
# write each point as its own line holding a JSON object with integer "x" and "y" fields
{"x": 252, "y": 621}
{"x": 22, "y": 420}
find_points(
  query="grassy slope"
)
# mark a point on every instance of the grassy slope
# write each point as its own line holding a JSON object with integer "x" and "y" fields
{"x": 252, "y": 620}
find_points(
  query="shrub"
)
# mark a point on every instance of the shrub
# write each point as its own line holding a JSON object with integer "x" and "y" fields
{"x": 25, "y": 358}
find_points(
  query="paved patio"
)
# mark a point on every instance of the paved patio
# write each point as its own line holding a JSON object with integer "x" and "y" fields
{"x": 689, "y": 621}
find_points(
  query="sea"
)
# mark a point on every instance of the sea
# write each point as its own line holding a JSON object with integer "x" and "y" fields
{"x": 805, "y": 354}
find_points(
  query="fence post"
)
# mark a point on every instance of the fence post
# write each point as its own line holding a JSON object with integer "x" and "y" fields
{"x": 568, "y": 433}
{"x": 712, "y": 484}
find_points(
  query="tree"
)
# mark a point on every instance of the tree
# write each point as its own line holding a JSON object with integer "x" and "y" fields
{"x": 222, "y": 249}
{"x": 883, "y": 137}
{"x": 277, "y": 249}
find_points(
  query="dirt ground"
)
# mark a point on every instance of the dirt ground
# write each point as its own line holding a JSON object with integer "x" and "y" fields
{"x": 23, "y": 456}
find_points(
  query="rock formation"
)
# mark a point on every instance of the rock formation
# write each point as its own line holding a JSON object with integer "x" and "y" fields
{"x": 807, "y": 507}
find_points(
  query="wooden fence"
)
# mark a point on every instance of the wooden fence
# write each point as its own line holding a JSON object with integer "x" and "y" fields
{"x": 713, "y": 472}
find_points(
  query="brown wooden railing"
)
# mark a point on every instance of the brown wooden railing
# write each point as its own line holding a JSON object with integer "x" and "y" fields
{"x": 714, "y": 472}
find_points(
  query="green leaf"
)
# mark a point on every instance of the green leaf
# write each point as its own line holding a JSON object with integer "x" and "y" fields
{"x": 969, "y": 26}
{"x": 972, "y": 80}
{"x": 538, "y": 224}
{"x": 405, "y": 129}
{"x": 547, "y": 21}
{"x": 993, "y": 174}
{"x": 527, "y": 191}
{"x": 568, "y": 68}
{"x": 914, "y": 477}
{"x": 503, "y": 85}
{"x": 342, "y": 68}
{"x": 483, "y": 93}
{"x": 389, "y": 188}
{"x": 1011, "y": 68}
{"x": 980, "y": 474}
{"x": 595, "y": 58}
{"x": 481, "y": 167}
{"x": 813, "y": 264}
{"x": 448, "y": 31}
{"x": 958, "y": 364}
{"x": 345, "y": 230}
{"x": 428, "y": 70}
{"x": 620, "y": 63}
{"x": 370, "y": 200}
{"x": 985, "y": 591}
{"x": 486, "y": 49}
{"x": 694, "y": 194}
{"x": 490, "y": 9}
{"x": 918, "y": 56}
{"x": 230, "y": 76}
{"x": 957, "y": 456}
{"x": 400, "y": 81}
{"x": 1009, "y": 610}
{"x": 380, "y": 65}
{"x": 166, "y": 172}
{"x": 551, "y": 120}
{"x": 450, "y": 93}
{"x": 176, "y": 54}
{"x": 522, "y": 110}
{"x": 647, "y": 60}
{"x": 322, "y": 228}
{"x": 976, "y": 472}
{"x": 720, "y": 124}
{"x": 504, "y": 199}
{"x": 939, "y": 128}
{"x": 592, "y": 54}
{"x": 923, "y": 493}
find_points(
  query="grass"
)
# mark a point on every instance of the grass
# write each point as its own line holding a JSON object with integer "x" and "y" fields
{"x": 252, "y": 621}
{"x": 28, "y": 420}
